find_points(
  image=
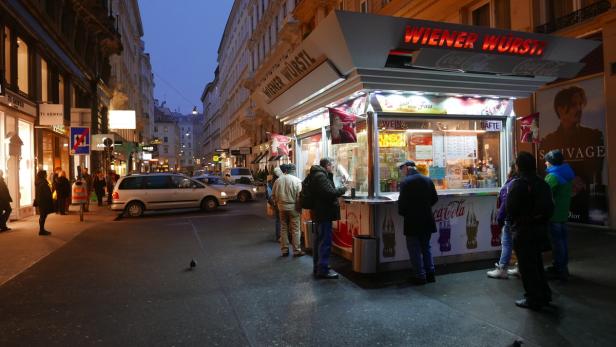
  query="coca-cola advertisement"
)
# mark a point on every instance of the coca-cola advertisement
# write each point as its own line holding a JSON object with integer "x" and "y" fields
{"x": 573, "y": 120}
{"x": 354, "y": 219}
{"x": 464, "y": 225}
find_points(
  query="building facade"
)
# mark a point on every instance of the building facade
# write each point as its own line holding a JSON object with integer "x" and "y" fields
{"x": 166, "y": 137}
{"x": 132, "y": 85}
{"x": 54, "y": 74}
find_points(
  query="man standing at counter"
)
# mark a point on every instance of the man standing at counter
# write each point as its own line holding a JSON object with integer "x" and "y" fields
{"x": 417, "y": 196}
{"x": 326, "y": 210}
{"x": 286, "y": 193}
{"x": 529, "y": 208}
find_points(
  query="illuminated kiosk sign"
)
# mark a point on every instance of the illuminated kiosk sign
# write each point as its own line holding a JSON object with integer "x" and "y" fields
{"x": 488, "y": 43}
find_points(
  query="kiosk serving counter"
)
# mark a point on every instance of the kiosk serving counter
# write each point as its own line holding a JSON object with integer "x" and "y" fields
{"x": 372, "y": 92}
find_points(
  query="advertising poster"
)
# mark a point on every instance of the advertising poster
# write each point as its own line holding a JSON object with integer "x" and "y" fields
{"x": 354, "y": 220}
{"x": 342, "y": 126}
{"x": 572, "y": 119}
{"x": 529, "y": 128}
{"x": 464, "y": 225}
{"x": 280, "y": 145}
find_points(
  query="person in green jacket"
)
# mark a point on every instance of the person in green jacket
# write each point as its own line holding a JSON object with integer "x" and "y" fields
{"x": 560, "y": 179}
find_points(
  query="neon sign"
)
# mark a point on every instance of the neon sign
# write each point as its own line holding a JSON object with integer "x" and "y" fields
{"x": 490, "y": 43}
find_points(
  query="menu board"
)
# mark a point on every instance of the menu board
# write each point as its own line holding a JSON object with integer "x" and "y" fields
{"x": 461, "y": 147}
{"x": 423, "y": 152}
{"x": 438, "y": 154}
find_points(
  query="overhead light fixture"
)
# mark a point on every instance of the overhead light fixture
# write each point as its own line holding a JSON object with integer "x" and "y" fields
{"x": 194, "y": 111}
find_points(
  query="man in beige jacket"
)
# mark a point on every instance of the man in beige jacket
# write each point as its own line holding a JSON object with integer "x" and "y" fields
{"x": 286, "y": 195}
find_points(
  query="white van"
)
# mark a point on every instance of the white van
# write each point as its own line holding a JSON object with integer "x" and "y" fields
{"x": 240, "y": 175}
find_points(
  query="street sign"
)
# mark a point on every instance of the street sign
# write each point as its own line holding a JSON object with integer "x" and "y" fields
{"x": 80, "y": 140}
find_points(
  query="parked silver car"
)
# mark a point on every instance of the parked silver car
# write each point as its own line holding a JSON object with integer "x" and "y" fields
{"x": 135, "y": 194}
{"x": 235, "y": 191}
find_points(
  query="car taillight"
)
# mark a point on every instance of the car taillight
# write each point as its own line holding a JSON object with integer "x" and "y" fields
{"x": 116, "y": 196}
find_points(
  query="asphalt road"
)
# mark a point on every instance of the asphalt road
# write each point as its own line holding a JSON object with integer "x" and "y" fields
{"x": 127, "y": 283}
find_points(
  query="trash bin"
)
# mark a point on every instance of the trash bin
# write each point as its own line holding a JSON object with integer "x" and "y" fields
{"x": 364, "y": 254}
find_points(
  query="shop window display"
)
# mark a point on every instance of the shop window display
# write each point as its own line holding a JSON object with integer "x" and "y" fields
{"x": 459, "y": 154}
{"x": 311, "y": 152}
{"x": 351, "y": 161}
{"x": 26, "y": 165}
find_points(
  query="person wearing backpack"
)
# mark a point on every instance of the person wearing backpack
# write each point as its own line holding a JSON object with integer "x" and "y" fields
{"x": 529, "y": 208}
{"x": 560, "y": 179}
{"x": 285, "y": 193}
{"x": 325, "y": 210}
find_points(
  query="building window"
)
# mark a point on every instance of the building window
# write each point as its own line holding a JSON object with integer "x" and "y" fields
{"x": 44, "y": 81}
{"x": 166, "y": 149}
{"x": 60, "y": 89}
{"x": 166, "y": 139}
{"x": 155, "y": 129}
{"x": 481, "y": 16}
{"x": 363, "y": 6}
{"x": 7, "y": 54}
{"x": 22, "y": 66}
{"x": 165, "y": 129}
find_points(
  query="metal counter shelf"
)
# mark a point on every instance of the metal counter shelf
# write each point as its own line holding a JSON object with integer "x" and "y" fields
{"x": 393, "y": 197}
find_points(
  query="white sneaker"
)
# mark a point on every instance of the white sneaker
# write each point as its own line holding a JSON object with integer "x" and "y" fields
{"x": 514, "y": 271}
{"x": 500, "y": 272}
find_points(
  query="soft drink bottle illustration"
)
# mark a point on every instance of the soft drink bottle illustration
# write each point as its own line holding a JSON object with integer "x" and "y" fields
{"x": 389, "y": 236}
{"x": 444, "y": 235}
{"x": 471, "y": 229}
{"x": 495, "y": 229}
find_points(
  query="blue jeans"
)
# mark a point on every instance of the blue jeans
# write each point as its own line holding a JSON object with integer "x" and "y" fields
{"x": 420, "y": 255}
{"x": 558, "y": 232}
{"x": 507, "y": 245}
{"x": 322, "y": 248}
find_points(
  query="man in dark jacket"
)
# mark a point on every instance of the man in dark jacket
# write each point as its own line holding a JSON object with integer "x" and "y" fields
{"x": 5, "y": 204}
{"x": 326, "y": 210}
{"x": 529, "y": 208}
{"x": 417, "y": 196}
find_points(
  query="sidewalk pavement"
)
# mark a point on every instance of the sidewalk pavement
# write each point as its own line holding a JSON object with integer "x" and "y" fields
{"x": 22, "y": 247}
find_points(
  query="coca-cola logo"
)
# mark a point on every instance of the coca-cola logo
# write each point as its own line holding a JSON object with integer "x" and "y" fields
{"x": 453, "y": 209}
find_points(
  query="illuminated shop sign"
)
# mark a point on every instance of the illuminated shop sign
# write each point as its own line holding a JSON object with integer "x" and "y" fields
{"x": 422, "y": 104}
{"x": 391, "y": 139}
{"x": 488, "y": 43}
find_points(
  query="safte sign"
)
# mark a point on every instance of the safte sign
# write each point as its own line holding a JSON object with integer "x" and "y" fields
{"x": 474, "y": 41}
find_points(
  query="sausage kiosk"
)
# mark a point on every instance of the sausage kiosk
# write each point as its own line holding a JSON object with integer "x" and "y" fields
{"x": 372, "y": 91}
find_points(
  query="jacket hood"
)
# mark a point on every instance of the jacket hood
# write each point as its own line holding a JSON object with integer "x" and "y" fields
{"x": 317, "y": 168}
{"x": 277, "y": 171}
{"x": 563, "y": 172}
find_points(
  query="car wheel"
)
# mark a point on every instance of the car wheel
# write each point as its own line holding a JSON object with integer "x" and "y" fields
{"x": 134, "y": 209}
{"x": 209, "y": 204}
{"x": 243, "y": 196}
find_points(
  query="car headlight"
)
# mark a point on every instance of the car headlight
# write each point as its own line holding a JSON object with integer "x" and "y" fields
{"x": 254, "y": 189}
{"x": 223, "y": 194}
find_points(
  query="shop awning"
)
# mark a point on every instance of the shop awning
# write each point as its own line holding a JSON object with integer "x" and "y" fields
{"x": 350, "y": 51}
{"x": 259, "y": 157}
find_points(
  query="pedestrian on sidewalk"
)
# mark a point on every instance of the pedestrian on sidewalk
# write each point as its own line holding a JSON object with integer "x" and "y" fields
{"x": 111, "y": 181}
{"x": 54, "y": 188}
{"x": 5, "y": 203}
{"x": 285, "y": 193}
{"x": 43, "y": 200}
{"x": 271, "y": 202}
{"x": 501, "y": 271}
{"x": 63, "y": 188}
{"x": 560, "y": 179}
{"x": 417, "y": 196}
{"x": 326, "y": 210}
{"x": 87, "y": 179}
{"x": 529, "y": 208}
{"x": 99, "y": 187}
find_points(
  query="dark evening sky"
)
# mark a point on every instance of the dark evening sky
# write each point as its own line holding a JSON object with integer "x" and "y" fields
{"x": 182, "y": 37}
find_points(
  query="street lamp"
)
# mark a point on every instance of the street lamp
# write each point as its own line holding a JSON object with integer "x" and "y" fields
{"x": 194, "y": 111}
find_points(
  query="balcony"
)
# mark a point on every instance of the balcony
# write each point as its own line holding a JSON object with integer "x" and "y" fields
{"x": 574, "y": 18}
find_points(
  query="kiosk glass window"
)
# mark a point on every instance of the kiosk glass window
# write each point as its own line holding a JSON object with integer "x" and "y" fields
{"x": 311, "y": 153}
{"x": 351, "y": 161}
{"x": 456, "y": 154}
